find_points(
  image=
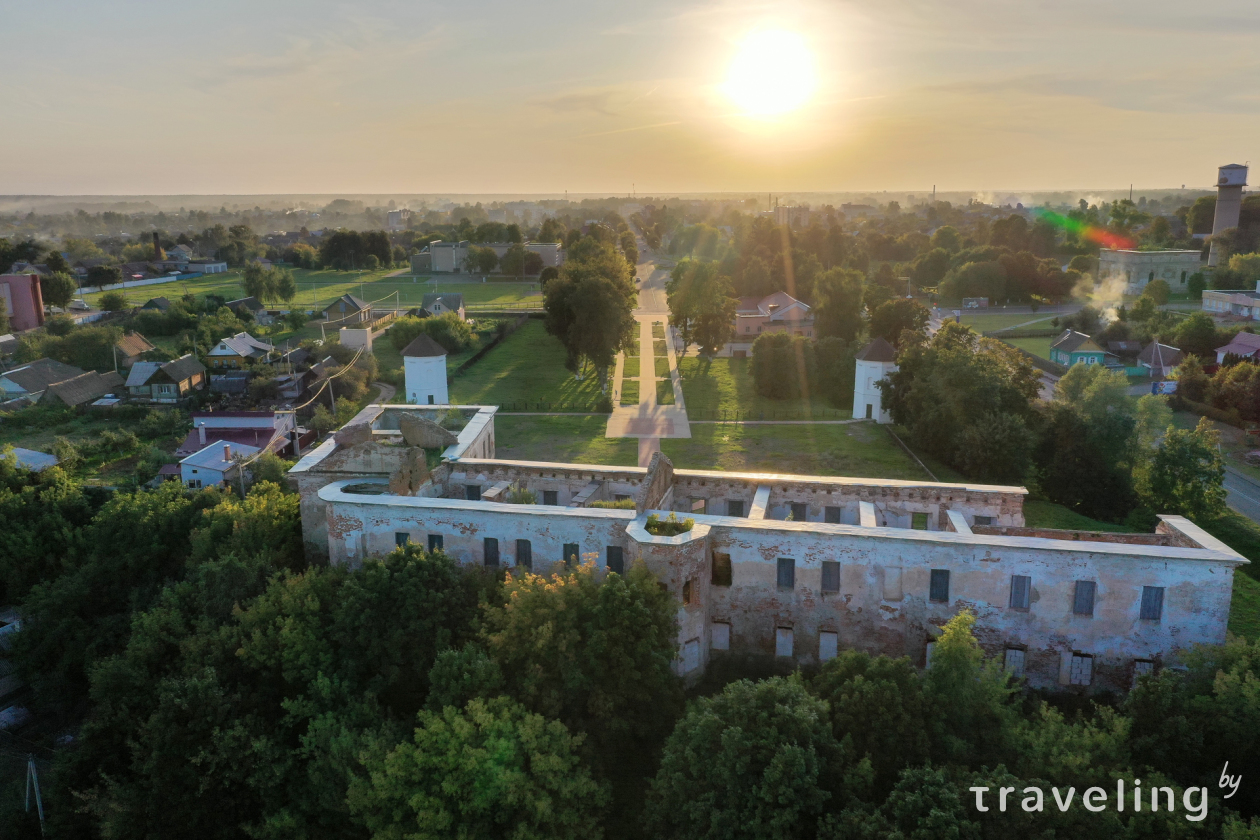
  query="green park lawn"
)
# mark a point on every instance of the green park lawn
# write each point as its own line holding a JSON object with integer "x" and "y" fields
{"x": 988, "y": 321}
{"x": 724, "y": 387}
{"x": 664, "y": 392}
{"x": 662, "y": 368}
{"x": 316, "y": 289}
{"x": 572, "y": 440}
{"x": 1037, "y": 346}
{"x": 854, "y": 449}
{"x": 629, "y": 392}
{"x": 526, "y": 372}
{"x": 631, "y": 368}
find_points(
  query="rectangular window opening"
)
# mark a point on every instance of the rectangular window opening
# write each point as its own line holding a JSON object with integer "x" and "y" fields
{"x": 783, "y": 641}
{"x": 831, "y": 515}
{"x": 572, "y": 554}
{"x": 688, "y": 593}
{"x": 734, "y": 507}
{"x": 721, "y": 636}
{"x": 830, "y": 576}
{"x": 787, "y": 573}
{"x": 699, "y": 505}
{"x": 1083, "y": 599}
{"x": 721, "y": 569}
{"x": 401, "y": 538}
{"x": 828, "y": 645}
{"x": 1152, "y": 603}
{"x": 1014, "y": 663}
{"x": 524, "y": 554}
{"x": 1081, "y": 671}
{"x": 800, "y": 512}
{"x": 551, "y": 497}
{"x": 435, "y": 542}
{"x": 919, "y": 521}
{"x": 614, "y": 559}
{"x": 472, "y": 492}
{"x": 490, "y": 551}
{"x": 1021, "y": 591}
{"x": 938, "y": 587}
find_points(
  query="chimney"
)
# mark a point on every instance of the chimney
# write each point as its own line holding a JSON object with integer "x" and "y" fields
{"x": 201, "y": 432}
{"x": 227, "y": 452}
{"x": 157, "y": 249}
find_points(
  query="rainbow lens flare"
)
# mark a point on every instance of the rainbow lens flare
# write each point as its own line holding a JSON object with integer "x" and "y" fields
{"x": 1092, "y": 233}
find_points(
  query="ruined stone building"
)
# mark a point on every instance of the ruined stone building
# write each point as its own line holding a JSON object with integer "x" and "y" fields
{"x": 780, "y": 565}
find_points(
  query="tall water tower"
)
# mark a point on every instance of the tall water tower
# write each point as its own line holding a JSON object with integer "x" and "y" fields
{"x": 1229, "y": 188}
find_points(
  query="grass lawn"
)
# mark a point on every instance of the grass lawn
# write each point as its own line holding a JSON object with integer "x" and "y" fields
{"x": 631, "y": 350}
{"x": 526, "y": 370}
{"x": 989, "y": 321}
{"x": 658, "y": 329}
{"x": 1037, "y": 346}
{"x": 631, "y": 368}
{"x": 664, "y": 392}
{"x": 1244, "y": 609}
{"x": 724, "y": 387}
{"x": 662, "y": 368}
{"x": 1043, "y": 514}
{"x": 857, "y": 449}
{"x": 658, "y": 348}
{"x": 574, "y": 440}
{"x": 629, "y": 392}
{"x": 316, "y": 289}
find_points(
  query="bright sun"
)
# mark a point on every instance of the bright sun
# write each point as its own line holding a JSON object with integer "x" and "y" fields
{"x": 772, "y": 73}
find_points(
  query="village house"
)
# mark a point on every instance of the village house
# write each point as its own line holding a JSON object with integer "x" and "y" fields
{"x": 166, "y": 382}
{"x": 259, "y": 429}
{"x": 779, "y": 312}
{"x": 29, "y": 381}
{"x": 1244, "y": 345}
{"x": 1073, "y": 348}
{"x": 348, "y": 309}
{"x": 437, "y": 304}
{"x": 218, "y": 463}
{"x": 238, "y": 351}
{"x": 1160, "y": 359}
{"x": 83, "y": 389}
{"x": 251, "y": 307}
{"x": 129, "y": 349}
{"x": 781, "y": 567}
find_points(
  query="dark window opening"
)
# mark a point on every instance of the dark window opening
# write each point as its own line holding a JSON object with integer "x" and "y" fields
{"x": 832, "y": 515}
{"x": 401, "y": 538}
{"x": 830, "y": 576}
{"x": 1152, "y": 603}
{"x": 524, "y": 554}
{"x": 435, "y": 542}
{"x": 491, "y": 551}
{"x": 1083, "y": 602}
{"x": 572, "y": 554}
{"x": 1021, "y": 592}
{"x": 919, "y": 521}
{"x": 687, "y": 593}
{"x": 472, "y": 492}
{"x": 938, "y": 588}
{"x": 615, "y": 559}
{"x": 734, "y": 508}
{"x": 721, "y": 569}
{"x": 787, "y": 573}
{"x": 551, "y": 497}
{"x": 800, "y": 512}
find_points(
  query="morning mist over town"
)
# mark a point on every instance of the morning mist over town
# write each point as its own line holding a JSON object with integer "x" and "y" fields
{"x": 692, "y": 421}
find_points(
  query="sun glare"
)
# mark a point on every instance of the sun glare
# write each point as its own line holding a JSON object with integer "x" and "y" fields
{"x": 772, "y": 73}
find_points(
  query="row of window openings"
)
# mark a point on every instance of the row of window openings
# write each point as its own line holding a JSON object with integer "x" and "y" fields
{"x": 799, "y": 512}
{"x": 784, "y": 641}
{"x": 1080, "y": 667}
{"x": 614, "y": 555}
{"x": 472, "y": 493}
{"x": 1152, "y": 607}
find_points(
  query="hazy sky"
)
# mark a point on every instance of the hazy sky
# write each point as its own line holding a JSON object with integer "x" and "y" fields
{"x": 495, "y": 96}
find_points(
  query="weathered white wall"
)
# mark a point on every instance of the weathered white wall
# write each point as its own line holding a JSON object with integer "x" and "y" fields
{"x": 425, "y": 376}
{"x": 882, "y": 605}
{"x": 866, "y": 393}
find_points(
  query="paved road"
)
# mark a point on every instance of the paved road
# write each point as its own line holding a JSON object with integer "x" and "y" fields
{"x": 1242, "y": 495}
{"x": 387, "y": 392}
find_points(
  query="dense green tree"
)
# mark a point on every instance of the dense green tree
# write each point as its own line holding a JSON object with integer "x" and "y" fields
{"x": 589, "y": 306}
{"x": 878, "y": 711}
{"x": 930, "y": 268}
{"x": 481, "y": 260}
{"x": 113, "y": 302}
{"x": 896, "y": 317}
{"x": 701, "y": 304}
{"x": 595, "y": 655}
{"x": 835, "y": 370}
{"x": 839, "y": 310}
{"x": 1157, "y": 291}
{"x": 1201, "y": 213}
{"x": 950, "y": 383}
{"x": 1197, "y": 334}
{"x": 492, "y": 770}
{"x": 58, "y": 289}
{"x": 783, "y": 366}
{"x": 948, "y": 238}
{"x": 770, "y": 768}
{"x": 1186, "y": 474}
{"x": 975, "y": 279}
{"x": 104, "y": 275}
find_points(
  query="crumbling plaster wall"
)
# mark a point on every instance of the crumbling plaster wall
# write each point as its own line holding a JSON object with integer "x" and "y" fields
{"x": 567, "y": 480}
{"x": 883, "y": 606}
